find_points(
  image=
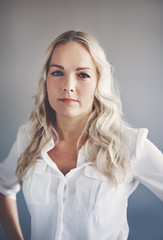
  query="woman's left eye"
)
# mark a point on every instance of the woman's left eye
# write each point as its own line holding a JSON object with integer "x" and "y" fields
{"x": 83, "y": 75}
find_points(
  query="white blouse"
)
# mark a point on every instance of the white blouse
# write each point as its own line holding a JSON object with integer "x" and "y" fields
{"x": 83, "y": 204}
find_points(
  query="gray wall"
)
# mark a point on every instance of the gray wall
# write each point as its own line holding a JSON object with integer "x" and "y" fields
{"x": 131, "y": 34}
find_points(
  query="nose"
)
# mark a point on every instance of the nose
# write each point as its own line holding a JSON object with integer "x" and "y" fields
{"x": 67, "y": 90}
{"x": 69, "y": 84}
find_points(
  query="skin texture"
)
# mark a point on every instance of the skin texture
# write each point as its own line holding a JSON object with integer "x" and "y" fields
{"x": 71, "y": 84}
{"x": 72, "y": 75}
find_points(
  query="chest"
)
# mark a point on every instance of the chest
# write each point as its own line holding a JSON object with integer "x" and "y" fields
{"x": 65, "y": 157}
{"x": 84, "y": 192}
{"x": 88, "y": 203}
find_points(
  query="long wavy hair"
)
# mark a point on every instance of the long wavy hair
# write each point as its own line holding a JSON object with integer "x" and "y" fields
{"x": 107, "y": 137}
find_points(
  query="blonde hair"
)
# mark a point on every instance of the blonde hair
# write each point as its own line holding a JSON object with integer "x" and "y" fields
{"x": 107, "y": 135}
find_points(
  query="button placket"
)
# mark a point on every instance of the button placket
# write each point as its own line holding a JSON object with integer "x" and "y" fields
{"x": 61, "y": 193}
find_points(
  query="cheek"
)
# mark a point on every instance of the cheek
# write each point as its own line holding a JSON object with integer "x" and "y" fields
{"x": 51, "y": 86}
{"x": 48, "y": 84}
{"x": 92, "y": 88}
{"x": 89, "y": 93}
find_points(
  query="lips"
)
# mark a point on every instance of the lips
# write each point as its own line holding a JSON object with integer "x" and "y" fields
{"x": 68, "y": 100}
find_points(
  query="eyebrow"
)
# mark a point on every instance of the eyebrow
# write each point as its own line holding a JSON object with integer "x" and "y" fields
{"x": 78, "y": 69}
{"x": 56, "y": 65}
{"x": 82, "y": 68}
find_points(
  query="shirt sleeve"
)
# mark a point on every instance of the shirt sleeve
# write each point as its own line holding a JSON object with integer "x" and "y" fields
{"x": 148, "y": 168}
{"x": 9, "y": 185}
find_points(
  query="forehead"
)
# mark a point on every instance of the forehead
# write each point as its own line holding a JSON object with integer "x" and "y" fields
{"x": 72, "y": 52}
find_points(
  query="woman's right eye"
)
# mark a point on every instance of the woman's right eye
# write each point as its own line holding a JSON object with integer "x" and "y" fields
{"x": 57, "y": 73}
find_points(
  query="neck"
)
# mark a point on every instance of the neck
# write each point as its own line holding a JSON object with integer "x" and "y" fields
{"x": 70, "y": 129}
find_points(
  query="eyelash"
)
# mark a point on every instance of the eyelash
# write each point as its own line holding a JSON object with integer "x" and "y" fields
{"x": 59, "y": 73}
{"x": 83, "y": 75}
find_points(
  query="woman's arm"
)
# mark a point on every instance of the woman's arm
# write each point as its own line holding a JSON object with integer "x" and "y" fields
{"x": 9, "y": 218}
{"x": 149, "y": 165}
{"x": 9, "y": 186}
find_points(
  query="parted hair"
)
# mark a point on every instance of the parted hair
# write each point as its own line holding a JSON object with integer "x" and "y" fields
{"x": 106, "y": 132}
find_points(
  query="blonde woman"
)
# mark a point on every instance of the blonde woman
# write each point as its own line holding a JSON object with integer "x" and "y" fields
{"x": 76, "y": 159}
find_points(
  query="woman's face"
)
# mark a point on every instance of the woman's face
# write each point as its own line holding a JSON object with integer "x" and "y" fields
{"x": 71, "y": 81}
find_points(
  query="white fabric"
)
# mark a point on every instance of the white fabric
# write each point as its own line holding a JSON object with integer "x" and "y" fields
{"x": 83, "y": 204}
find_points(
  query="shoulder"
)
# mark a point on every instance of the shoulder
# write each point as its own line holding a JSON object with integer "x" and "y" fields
{"x": 25, "y": 129}
{"x": 137, "y": 140}
{"x": 24, "y": 134}
{"x": 140, "y": 146}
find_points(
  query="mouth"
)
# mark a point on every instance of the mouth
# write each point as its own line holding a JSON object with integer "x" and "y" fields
{"x": 67, "y": 100}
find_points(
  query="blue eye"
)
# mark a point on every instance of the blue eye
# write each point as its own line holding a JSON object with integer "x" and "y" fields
{"x": 83, "y": 75}
{"x": 57, "y": 73}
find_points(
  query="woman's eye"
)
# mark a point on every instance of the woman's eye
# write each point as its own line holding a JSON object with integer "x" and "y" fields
{"x": 83, "y": 75}
{"x": 57, "y": 73}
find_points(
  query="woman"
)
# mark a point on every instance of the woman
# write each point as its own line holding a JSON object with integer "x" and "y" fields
{"x": 76, "y": 159}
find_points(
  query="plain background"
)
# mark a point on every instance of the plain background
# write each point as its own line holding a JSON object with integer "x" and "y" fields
{"x": 131, "y": 33}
